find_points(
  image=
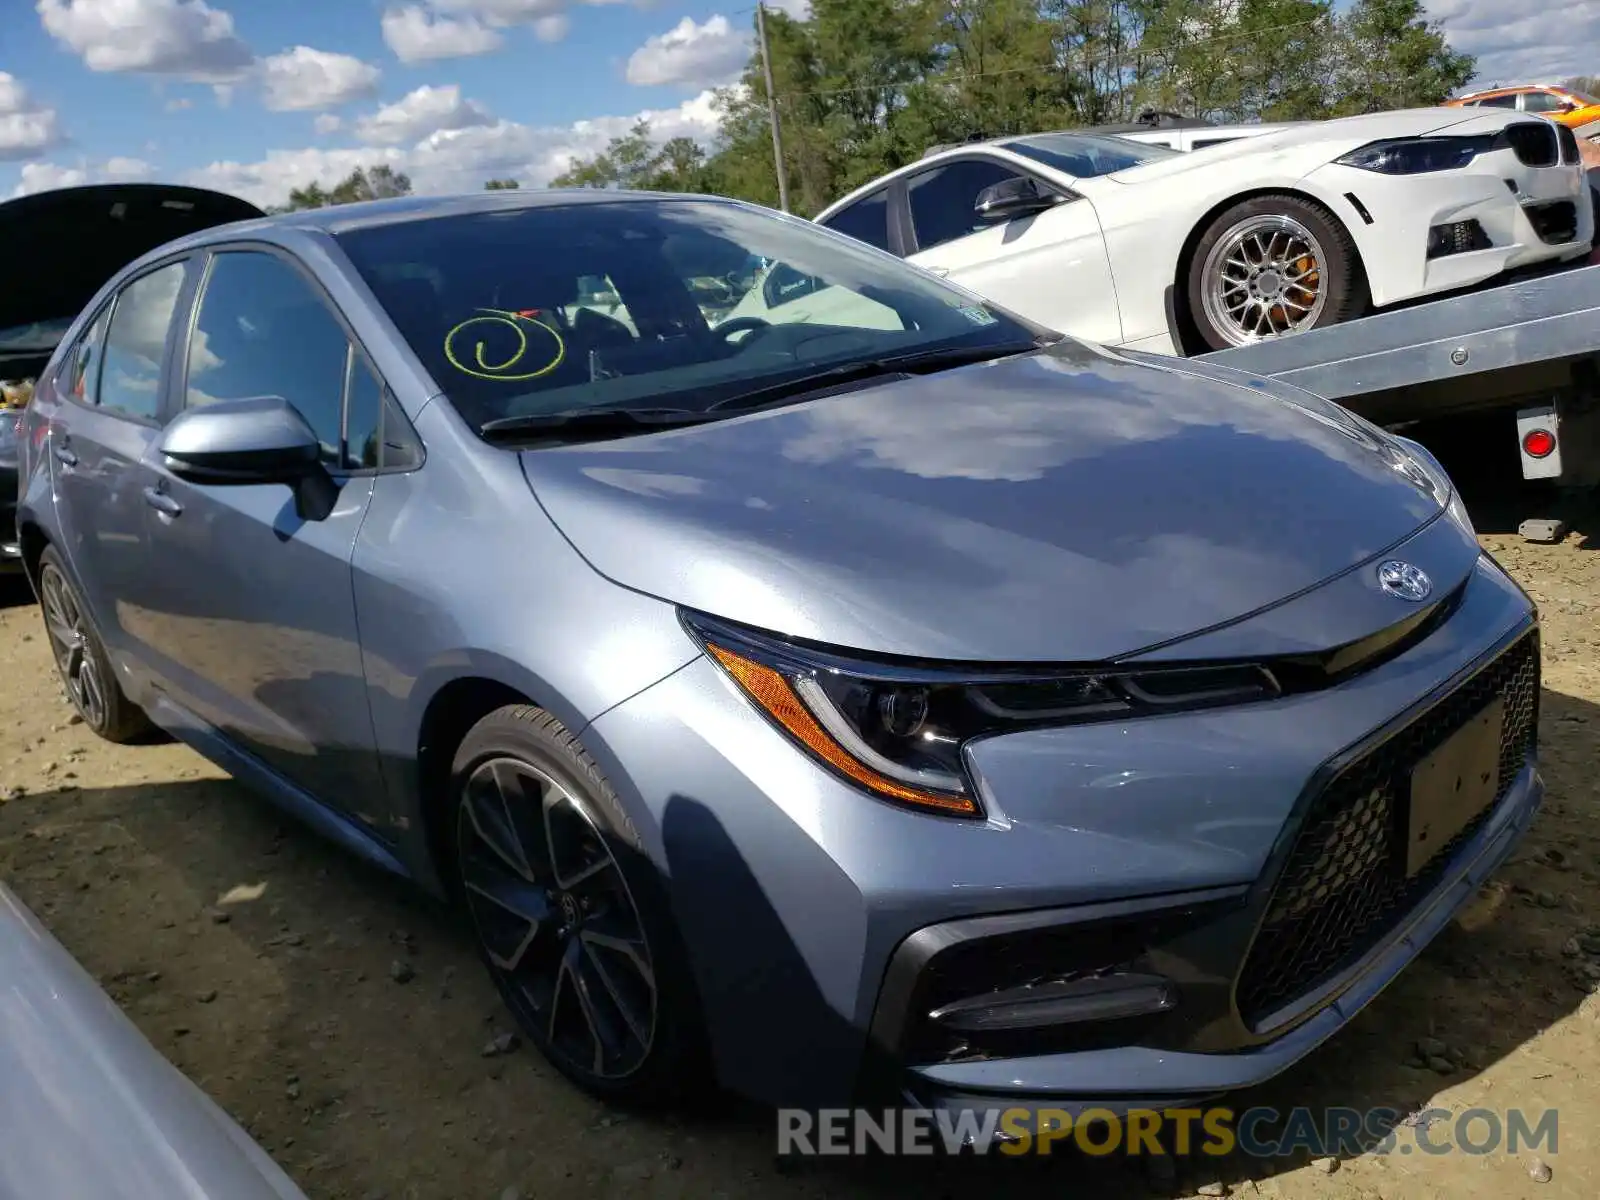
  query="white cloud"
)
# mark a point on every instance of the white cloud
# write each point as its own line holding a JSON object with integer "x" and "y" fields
{"x": 302, "y": 78}
{"x": 45, "y": 176}
{"x": 798, "y": 9}
{"x": 706, "y": 55}
{"x": 553, "y": 28}
{"x": 178, "y": 104}
{"x": 1516, "y": 43}
{"x": 27, "y": 128}
{"x": 458, "y": 158}
{"x": 327, "y": 123}
{"x": 183, "y": 38}
{"x": 422, "y": 112}
{"x": 416, "y": 35}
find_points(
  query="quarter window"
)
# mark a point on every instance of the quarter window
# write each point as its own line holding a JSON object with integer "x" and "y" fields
{"x": 263, "y": 331}
{"x": 867, "y": 220}
{"x": 136, "y": 341}
{"x": 943, "y": 199}
{"x": 80, "y": 378}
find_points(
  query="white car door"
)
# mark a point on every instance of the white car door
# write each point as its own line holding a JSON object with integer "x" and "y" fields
{"x": 1051, "y": 267}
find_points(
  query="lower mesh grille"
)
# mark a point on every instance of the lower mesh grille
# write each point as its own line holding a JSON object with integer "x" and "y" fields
{"x": 1343, "y": 886}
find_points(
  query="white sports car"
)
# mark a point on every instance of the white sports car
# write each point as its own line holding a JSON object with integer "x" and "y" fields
{"x": 1140, "y": 246}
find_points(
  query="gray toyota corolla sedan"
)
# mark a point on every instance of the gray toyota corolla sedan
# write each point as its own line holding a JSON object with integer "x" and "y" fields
{"x": 866, "y": 689}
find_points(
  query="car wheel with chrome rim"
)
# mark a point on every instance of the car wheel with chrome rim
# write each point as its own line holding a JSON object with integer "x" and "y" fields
{"x": 1273, "y": 266}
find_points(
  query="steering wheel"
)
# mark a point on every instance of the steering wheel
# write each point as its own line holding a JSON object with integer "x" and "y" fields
{"x": 742, "y": 325}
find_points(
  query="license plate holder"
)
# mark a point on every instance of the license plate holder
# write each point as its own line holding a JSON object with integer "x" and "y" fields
{"x": 1453, "y": 785}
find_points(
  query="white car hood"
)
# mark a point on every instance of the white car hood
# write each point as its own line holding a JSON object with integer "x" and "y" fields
{"x": 1305, "y": 147}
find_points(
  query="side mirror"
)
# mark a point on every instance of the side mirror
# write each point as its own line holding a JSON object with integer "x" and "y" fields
{"x": 263, "y": 439}
{"x": 1012, "y": 198}
{"x": 259, "y": 440}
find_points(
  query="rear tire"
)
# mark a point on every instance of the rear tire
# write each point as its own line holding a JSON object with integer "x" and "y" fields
{"x": 81, "y": 659}
{"x": 1273, "y": 266}
{"x": 570, "y": 914}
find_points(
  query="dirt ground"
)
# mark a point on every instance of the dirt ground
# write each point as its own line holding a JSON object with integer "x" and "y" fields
{"x": 288, "y": 1010}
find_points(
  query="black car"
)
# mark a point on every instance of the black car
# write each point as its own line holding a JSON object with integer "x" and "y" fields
{"x": 60, "y": 247}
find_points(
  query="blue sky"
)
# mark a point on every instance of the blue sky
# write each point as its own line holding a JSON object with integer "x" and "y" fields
{"x": 257, "y": 97}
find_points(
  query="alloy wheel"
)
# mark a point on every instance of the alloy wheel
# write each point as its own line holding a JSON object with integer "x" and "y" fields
{"x": 1265, "y": 278}
{"x": 71, "y": 641}
{"x": 556, "y": 920}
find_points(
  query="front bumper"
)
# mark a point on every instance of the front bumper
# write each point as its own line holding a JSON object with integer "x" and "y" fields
{"x": 815, "y": 917}
{"x": 1518, "y": 210}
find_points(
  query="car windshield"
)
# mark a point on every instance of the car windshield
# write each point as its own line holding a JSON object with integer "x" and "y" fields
{"x": 35, "y": 335}
{"x": 652, "y": 303}
{"x": 1087, "y": 155}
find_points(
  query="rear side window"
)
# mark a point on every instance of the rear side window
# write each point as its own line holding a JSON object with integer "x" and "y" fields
{"x": 130, "y": 368}
{"x": 867, "y": 220}
{"x": 1497, "y": 102}
{"x": 263, "y": 331}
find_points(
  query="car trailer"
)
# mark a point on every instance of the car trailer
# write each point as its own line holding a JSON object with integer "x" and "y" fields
{"x": 1530, "y": 349}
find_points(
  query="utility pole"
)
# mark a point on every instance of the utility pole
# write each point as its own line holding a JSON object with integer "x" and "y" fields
{"x": 772, "y": 107}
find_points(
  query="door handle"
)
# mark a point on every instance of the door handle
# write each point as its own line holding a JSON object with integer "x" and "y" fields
{"x": 64, "y": 454}
{"x": 162, "y": 502}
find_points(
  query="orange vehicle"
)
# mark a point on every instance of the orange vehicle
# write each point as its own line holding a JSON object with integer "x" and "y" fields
{"x": 1572, "y": 109}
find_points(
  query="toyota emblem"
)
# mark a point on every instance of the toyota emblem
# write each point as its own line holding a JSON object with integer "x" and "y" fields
{"x": 1404, "y": 581}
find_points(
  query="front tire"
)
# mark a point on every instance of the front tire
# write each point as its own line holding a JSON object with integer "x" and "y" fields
{"x": 1272, "y": 266}
{"x": 81, "y": 659}
{"x": 570, "y": 915}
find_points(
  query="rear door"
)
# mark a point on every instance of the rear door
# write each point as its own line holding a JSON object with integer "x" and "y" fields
{"x": 1051, "y": 267}
{"x": 110, "y": 386}
{"x": 255, "y": 626}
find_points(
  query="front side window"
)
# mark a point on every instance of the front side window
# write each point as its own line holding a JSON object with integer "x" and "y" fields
{"x": 867, "y": 220}
{"x": 136, "y": 342}
{"x": 487, "y": 303}
{"x": 262, "y": 330}
{"x": 1086, "y": 155}
{"x": 943, "y": 199}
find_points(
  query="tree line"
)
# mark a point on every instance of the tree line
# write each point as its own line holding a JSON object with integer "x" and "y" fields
{"x": 864, "y": 86}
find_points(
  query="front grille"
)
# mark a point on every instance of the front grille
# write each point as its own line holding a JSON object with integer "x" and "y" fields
{"x": 1556, "y": 222}
{"x": 1534, "y": 143}
{"x": 1343, "y": 886}
{"x": 1569, "y": 145}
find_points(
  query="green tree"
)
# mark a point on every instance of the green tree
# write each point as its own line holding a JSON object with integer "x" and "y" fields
{"x": 381, "y": 182}
{"x": 501, "y": 185}
{"x": 1389, "y": 55}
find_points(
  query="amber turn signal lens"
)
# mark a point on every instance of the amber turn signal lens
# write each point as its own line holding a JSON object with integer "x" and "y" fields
{"x": 777, "y": 698}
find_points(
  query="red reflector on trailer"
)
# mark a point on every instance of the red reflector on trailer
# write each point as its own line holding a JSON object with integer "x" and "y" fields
{"x": 1539, "y": 443}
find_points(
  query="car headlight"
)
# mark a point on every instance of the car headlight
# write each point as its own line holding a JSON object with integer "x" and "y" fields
{"x": 1417, "y": 155}
{"x": 898, "y": 731}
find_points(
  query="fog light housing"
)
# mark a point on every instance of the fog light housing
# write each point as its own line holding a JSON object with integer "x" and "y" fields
{"x": 1456, "y": 237}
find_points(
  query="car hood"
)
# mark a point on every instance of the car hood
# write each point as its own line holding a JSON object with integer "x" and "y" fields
{"x": 1310, "y": 142}
{"x": 1077, "y": 504}
{"x": 61, "y": 246}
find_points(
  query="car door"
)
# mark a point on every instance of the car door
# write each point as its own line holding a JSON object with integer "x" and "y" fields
{"x": 1052, "y": 266}
{"x": 111, "y": 401}
{"x": 255, "y": 624}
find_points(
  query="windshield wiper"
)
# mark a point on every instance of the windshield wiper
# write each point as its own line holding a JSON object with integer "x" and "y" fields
{"x": 586, "y": 422}
{"x": 897, "y": 364}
